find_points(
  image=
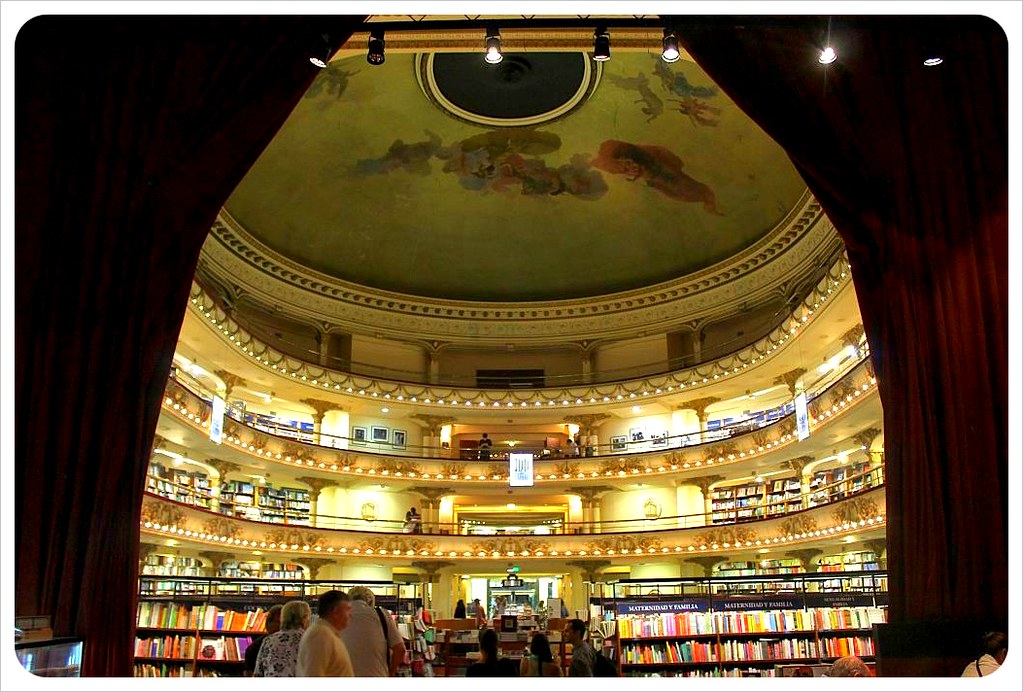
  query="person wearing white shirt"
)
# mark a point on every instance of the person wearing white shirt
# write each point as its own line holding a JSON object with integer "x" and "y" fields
{"x": 321, "y": 653}
{"x": 994, "y": 645}
{"x": 372, "y": 639}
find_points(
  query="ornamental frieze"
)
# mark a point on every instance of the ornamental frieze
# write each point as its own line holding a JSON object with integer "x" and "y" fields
{"x": 163, "y": 514}
{"x": 497, "y": 471}
{"x": 293, "y": 537}
{"x": 721, "y": 452}
{"x": 856, "y": 509}
{"x": 626, "y": 465}
{"x": 399, "y": 468}
{"x": 624, "y": 544}
{"x": 219, "y": 526}
{"x": 509, "y": 546}
{"x": 725, "y": 537}
{"x": 801, "y": 523}
{"x": 567, "y": 467}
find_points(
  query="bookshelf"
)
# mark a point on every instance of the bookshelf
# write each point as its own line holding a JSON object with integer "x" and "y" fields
{"x": 738, "y": 503}
{"x": 745, "y": 625}
{"x": 172, "y": 566}
{"x": 783, "y": 496}
{"x": 187, "y": 487}
{"x": 265, "y": 503}
{"x": 201, "y": 626}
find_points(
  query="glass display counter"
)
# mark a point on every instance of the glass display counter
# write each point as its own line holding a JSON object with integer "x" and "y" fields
{"x": 52, "y": 658}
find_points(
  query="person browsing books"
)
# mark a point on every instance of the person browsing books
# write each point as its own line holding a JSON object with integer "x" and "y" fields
{"x": 278, "y": 656}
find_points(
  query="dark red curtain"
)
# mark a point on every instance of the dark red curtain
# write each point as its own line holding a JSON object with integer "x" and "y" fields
{"x": 911, "y": 164}
{"x": 130, "y": 134}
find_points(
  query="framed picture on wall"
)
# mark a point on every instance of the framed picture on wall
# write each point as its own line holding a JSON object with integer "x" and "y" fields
{"x": 619, "y": 443}
{"x": 358, "y": 436}
{"x": 379, "y": 434}
{"x": 398, "y": 439}
{"x": 659, "y": 439}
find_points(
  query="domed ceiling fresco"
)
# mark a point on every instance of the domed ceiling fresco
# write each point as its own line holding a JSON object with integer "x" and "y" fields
{"x": 548, "y": 176}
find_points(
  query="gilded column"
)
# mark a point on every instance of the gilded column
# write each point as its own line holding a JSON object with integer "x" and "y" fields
{"x": 320, "y": 407}
{"x": 316, "y": 485}
{"x": 704, "y": 483}
{"x": 700, "y": 407}
{"x": 222, "y": 468}
{"x": 799, "y": 465}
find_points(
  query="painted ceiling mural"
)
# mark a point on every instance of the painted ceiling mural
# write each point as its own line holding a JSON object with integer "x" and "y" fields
{"x": 650, "y": 173}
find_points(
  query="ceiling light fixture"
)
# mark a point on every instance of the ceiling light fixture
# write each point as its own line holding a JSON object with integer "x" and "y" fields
{"x": 933, "y": 60}
{"x": 321, "y": 55}
{"x": 669, "y": 46}
{"x": 601, "y": 44}
{"x": 828, "y": 54}
{"x": 375, "y": 54}
{"x": 493, "y": 44}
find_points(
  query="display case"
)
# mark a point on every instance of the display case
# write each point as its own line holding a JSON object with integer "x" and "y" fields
{"x": 52, "y": 658}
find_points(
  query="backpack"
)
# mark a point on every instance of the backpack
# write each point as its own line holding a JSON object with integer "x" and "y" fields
{"x": 604, "y": 667}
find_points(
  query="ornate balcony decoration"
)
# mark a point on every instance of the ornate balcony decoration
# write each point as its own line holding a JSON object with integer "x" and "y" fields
{"x": 624, "y": 545}
{"x": 509, "y": 547}
{"x": 165, "y": 518}
{"x": 161, "y": 513}
{"x": 189, "y": 409}
{"x": 235, "y": 335}
{"x": 725, "y": 537}
{"x": 800, "y": 524}
{"x": 855, "y": 509}
{"x": 293, "y": 538}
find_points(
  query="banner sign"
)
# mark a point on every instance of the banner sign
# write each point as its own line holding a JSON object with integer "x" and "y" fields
{"x": 217, "y": 420}
{"x": 794, "y": 602}
{"x": 520, "y": 470}
{"x": 802, "y": 417}
{"x": 839, "y": 600}
{"x": 656, "y": 607}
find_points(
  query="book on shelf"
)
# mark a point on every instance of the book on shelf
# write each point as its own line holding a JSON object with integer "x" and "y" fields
{"x": 212, "y": 649}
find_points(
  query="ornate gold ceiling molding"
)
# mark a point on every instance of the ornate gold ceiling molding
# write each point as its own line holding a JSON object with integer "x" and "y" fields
{"x": 803, "y": 243}
{"x": 836, "y": 279}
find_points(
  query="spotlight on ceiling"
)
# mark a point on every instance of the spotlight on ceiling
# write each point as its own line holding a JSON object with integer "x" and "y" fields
{"x": 933, "y": 60}
{"x": 827, "y": 56}
{"x": 669, "y": 50}
{"x": 601, "y": 44}
{"x": 493, "y": 55}
{"x": 321, "y": 54}
{"x": 375, "y": 54}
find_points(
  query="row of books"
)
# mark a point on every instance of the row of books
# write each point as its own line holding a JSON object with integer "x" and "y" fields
{"x": 223, "y": 648}
{"x": 204, "y": 617}
{"x": 700, "y": 673}
{"x": 150, "y": 670}
{"x": 767, "y": 649}
{"x": 848, "y": 618}
{"x": 670, "y": 652}
{"x": 729, "y": 622}
{"x": 835, "y": 647}
{"x": 166, "y": 647}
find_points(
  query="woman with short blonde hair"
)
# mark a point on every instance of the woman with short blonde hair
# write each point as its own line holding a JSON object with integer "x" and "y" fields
{"x": 278, "y": 656}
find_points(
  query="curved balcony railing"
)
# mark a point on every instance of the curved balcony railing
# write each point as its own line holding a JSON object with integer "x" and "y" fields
{"x": 296, "y": 513}
{"x": 579, "y": 389}
{"x": 844, "y": 387}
